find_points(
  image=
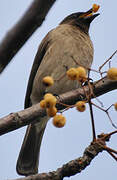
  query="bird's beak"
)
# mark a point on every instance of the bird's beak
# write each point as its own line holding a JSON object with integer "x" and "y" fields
{"x": 92, "y": 17}
{"x": 90, "y": 14}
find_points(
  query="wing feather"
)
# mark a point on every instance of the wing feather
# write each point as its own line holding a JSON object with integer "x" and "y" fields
{"x": 38, "y": 58}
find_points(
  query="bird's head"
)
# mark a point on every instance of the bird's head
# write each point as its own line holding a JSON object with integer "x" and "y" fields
{"x": 81, "y": 19}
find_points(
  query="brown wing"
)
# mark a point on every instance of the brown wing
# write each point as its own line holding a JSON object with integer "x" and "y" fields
{"x": 38, "y": 58}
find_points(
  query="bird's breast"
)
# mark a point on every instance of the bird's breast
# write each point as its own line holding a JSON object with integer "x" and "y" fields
{"x": 68, "y": 48}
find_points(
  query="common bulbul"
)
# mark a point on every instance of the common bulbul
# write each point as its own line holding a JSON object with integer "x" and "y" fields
{"x": 69, "y": 40}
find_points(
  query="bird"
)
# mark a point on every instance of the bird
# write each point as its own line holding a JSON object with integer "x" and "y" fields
{"x": 69, "y": 40}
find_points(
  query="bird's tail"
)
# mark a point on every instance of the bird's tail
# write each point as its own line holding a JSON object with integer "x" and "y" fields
{"x": 28, "y": 159}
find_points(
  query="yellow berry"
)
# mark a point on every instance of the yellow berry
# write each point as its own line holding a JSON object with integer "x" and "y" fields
{"x": 59, "y": 120}
{"x": 81, "y": 106}
{"x": 48, "y": 95}
{"x": 48, "y": 81}
{"x": 72, "y": 74}
{"x": 95, "y": 8}
{"x": 115, "y": 106}
{"x": 42, "y": 104}
{"x": 50, "y": 101}
{"x": 51, "y": 111}
{"x": 112, "y": 73}
{"x": 81, "y": 74}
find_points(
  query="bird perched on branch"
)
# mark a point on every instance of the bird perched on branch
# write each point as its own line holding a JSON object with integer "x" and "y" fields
{"x": 69, "y": 40}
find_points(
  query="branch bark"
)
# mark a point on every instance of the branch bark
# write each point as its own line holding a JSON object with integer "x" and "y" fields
{"x": 19, "y": 119}
{"x": 21, "y": 32}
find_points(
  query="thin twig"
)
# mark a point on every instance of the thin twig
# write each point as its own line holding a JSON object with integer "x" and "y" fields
{"x": 109, "y": 107}
{"x": 106, "y": 111}
{"x": 92, "y": 120}
{"x": 61, "y": 77}
{"x": 112, "y": 155}
{"x": 83, "y": 65}
{"x": 110, "y": 149}
{"x": 107, "y": 60}
{"x": 111, "y": 120}
{"x": 112, "y": 133}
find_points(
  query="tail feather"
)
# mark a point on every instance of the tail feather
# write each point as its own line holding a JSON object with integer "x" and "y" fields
{"x": 28, "y": 159}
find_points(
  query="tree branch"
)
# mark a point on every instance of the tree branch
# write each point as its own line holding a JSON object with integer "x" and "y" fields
{"x": 17, "y": 120}
{"x": 73, "y": 167}
{"x": 20, "y": 33}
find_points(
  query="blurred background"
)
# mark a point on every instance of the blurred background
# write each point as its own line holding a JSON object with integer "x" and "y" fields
{"x": 59, "y": 145}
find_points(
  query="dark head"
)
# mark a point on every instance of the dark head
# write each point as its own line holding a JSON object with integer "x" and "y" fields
{"x": 80, "y": 19}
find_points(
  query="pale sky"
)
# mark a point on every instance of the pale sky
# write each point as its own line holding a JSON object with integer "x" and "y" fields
{"x": 59, "y": 145}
